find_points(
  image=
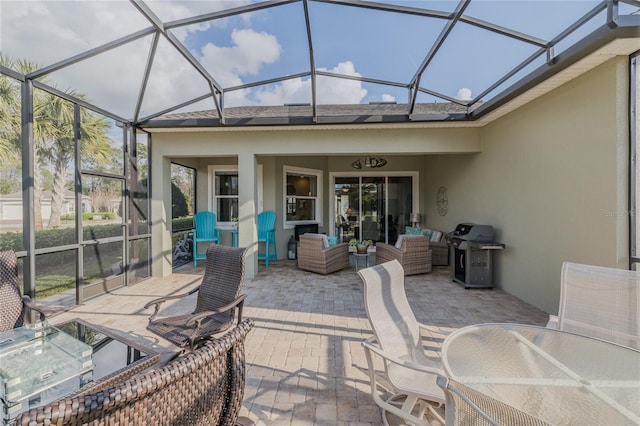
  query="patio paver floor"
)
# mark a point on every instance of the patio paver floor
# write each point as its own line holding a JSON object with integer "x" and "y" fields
{"x": 305, "y": 363}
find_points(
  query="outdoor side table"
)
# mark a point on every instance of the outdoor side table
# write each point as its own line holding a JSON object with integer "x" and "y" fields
{"x": 558, "y": 377}
{"x": 35, "y": 359}
{"x": 360, "y": 256}
{"x": 41, "y": 363}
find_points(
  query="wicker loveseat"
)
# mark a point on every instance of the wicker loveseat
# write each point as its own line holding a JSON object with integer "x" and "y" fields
{"x": 315, "y": 254}
{"x": 203, "y": 387}
{"x": 412, "y": 251}
{"x": 437, "y": 243}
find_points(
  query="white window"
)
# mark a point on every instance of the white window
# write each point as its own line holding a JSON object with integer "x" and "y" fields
{"x": 303, "y": 196}
{"x": 223, "y": 184}
{"x": 225, "y": 195}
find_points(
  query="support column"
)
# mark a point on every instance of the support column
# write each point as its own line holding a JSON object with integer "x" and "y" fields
{"x": 160, "y": 182}
{"x": 247, "y": 196}
{"x": 28, "y": 170}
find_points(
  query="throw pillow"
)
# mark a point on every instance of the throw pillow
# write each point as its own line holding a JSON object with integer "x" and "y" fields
{"x": 410, "y": 230}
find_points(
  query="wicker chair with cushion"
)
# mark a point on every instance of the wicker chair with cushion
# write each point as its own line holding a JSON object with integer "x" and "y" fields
{"x": 412, "y": 251}
{"x": 15, "y": 306}
{"x": 203, "y": 387}
{"x": 316, "y": 255}
{"x": 437, "y": 243}
{"x": 218, "y": 297}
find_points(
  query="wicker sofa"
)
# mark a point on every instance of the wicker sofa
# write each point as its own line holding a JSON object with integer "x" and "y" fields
{"x": 315, "y": 254}
{"x": 437, "y": 243}
{"x": 412, "y": 251}
{"x": 203, "y": 387}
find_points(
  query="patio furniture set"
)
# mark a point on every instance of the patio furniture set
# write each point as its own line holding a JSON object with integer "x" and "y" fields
{"x": 414, "y": 253}
{"x": 583, "y": 368}
{"x": 473, "y": 382}
{"x": 206, "y": 231}
{"x": 203, "y": 384}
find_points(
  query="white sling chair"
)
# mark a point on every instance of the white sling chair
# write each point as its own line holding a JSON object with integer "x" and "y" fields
{"x": 409, "y": 375}
{"x": 600, "y": 302}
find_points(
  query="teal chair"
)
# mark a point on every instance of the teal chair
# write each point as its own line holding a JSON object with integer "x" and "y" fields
{"x": 267, "y": 235}
{"x": 205, "y": 231}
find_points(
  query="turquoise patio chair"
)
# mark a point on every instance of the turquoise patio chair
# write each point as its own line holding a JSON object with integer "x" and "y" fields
{"x": 205, "y": 231}
{"x": 267, "y": 235}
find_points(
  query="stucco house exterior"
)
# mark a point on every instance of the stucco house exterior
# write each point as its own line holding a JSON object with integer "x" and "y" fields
{"x": 545, "y": 153}
{"x": 548, "y": 170}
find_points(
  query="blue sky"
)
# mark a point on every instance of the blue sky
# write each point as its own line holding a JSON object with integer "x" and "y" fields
{"x": 273, "y": 43}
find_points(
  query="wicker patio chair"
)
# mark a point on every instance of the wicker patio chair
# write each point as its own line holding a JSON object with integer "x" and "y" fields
{"x": 15, "y": 307}
{"x": 412, "y": 251}
{"x": 407, "y": 387}
{"x": 315, "y": 254}
{"x": 218, "y": 298}
{"x": 203, "y": 387}
{"x": 466, "y": 406}
{"x": 599, "y": 302}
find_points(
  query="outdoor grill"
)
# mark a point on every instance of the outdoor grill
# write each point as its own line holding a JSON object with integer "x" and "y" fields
{"x": 471, "y": 248}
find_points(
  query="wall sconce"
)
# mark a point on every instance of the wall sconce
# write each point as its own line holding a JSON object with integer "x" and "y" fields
{"x": 370, "y": 162}
{"x": 414, "y": 218}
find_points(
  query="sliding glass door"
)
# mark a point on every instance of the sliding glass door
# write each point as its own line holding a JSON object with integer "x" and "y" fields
{"x": 373, "y": 208}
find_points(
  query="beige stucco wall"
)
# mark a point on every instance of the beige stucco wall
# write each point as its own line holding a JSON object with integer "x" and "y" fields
{"x": 273, "y": 149}
{"x": 552, "y": 179}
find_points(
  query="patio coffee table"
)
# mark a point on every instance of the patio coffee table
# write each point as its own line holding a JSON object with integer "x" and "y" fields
{"x": 41, "y": 363}
{"x": 555, "y": 376}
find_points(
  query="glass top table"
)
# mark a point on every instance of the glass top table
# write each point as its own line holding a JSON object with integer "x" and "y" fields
{"x": 559, "y": 377}
{"x": 40, "y": 363}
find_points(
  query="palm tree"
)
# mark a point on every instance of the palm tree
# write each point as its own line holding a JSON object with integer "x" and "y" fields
{"x": 52, "y": 133}
{"x": 58, "y": 114}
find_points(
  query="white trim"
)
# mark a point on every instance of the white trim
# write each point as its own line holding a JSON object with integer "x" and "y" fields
{"x": 212, "y": 169}
{"x": 319, "y": 174}
{"x": 415, "y": 189}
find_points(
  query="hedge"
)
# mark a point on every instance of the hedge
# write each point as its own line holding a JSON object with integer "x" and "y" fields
{"x": 64, "y": 236}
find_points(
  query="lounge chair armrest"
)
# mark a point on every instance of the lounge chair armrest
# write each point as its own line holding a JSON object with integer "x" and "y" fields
{"x": 161, "y": 300}
{"x": 41, "y": 310}
{"x": 417, "y": 367}
{"x": 553, "y": 322}
{"x": 197, "y": 318}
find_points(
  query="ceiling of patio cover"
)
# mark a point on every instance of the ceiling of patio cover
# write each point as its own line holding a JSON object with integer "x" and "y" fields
{"x": 418, "y": 60}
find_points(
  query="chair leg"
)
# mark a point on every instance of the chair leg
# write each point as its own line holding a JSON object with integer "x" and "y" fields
{"x": 195, "y": 254}
{"x": 275, "y": 250}
{"x": 266, "y": 253}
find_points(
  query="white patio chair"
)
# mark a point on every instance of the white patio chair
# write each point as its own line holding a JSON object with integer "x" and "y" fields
{"x": 599, "y": 302}
{"x": 466, "y": 406}
{"x": 409, "y": 375}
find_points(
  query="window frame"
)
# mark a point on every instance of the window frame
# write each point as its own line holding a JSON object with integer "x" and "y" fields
{"x": 212, "y": 197}
{"x": 318, "y": 197}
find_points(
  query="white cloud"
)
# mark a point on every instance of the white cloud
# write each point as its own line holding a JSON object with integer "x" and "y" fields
{"x": 388, "y": 98}
{"x": 47, "y": 32}
{"x": 250, "y": 51}
{"x": 464, "y": 94}
{"x": 328, "y": 90}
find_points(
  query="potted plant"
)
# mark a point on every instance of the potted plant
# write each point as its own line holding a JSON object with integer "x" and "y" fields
{"x": 361, "y": 247}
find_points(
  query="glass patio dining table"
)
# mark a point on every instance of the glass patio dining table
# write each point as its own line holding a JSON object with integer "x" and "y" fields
{"x": 558, "y": 377}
